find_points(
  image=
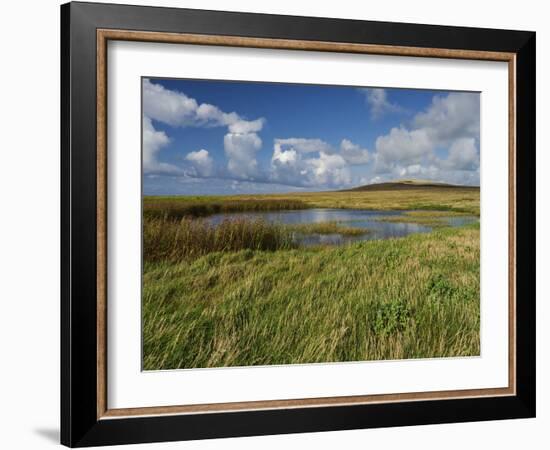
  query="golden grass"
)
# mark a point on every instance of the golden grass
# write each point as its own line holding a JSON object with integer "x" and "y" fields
{"x": 244, "y": 295}
{"x": 456, "y": 200}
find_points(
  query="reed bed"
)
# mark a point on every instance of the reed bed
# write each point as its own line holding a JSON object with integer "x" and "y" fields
{"x": 176, "y": 240}
{"x": 180, "y": 207}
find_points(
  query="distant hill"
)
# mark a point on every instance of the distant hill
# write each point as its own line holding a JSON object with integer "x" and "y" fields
{"x": 399, "y": 185}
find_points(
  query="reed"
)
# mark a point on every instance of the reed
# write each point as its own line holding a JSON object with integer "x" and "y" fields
{"x": 180, "y": 207}
{"x": 176, "y": 240}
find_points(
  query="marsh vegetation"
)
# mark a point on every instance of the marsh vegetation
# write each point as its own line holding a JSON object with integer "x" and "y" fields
{"x": 242, "y": 290}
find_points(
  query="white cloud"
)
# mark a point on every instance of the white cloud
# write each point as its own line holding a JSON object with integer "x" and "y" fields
{"x": 153, "y": 142}
{"x": 201, "y": 161}
{"x": 353, "y": 153}
{"x": 178, "y": 110}
{"x": 330, "y": 170}
{"x": 378, "y": 102}
{"x": 301, "y": 165}
{"x": 407, "y": 151}
{"x": 284, "y": 156}
{"x": 462, "y": 155}
{"x": 428, "y": 172}
{"x": 170, "y": 107}
{"x": 246, "y": 126}
{"x": 451, "y": 122}
{"x": 373, "y": 180}
{"x": 450, "y": 117}
{"x": 302, "y": 145}
{"x": 240, "y": 150}
{"x": 404, "y": 146}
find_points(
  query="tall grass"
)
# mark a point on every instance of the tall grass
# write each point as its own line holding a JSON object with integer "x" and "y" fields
{"x": 415, "y": 297}
{"x": 176, "y": 240}
{"x": 180, "y": 207}
{"x": 240, "y": 293}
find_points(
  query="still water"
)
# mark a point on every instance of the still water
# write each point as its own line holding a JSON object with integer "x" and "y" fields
{"x": 357, "y": 218}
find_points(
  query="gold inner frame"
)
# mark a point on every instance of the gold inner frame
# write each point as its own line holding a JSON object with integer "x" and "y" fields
{"x": 104, "y": 35}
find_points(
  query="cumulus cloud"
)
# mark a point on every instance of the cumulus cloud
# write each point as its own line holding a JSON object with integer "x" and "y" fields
{"x": 462, "y": 155}
{"x": 290, "y": 147}
{"x": 240, "y": 150}
{"x": 308, "y": 162}
{"x": 353, "y": 153}
{"x": 179, "y": 110}
{"x": 201, "y": 161}
{"x": 302, "y": 145}
{"x": 330, "y": 170}
{"x": 404, "y": 146}
{"x": 439, "y": 143}
{"x": 451, "y": 122}
{"x": 153, "y": 142}
{"x": 451, "y": 117}
{"x": 377, "y": 100}
{"x": 246, "y": 126}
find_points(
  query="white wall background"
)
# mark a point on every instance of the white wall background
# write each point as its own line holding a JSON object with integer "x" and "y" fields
{"x": 29, "y": 229}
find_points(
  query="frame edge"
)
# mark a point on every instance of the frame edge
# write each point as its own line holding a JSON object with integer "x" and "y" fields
{"x": 77, "y": 429}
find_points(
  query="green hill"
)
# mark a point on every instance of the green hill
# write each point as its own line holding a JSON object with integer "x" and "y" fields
{"x": 398, "y": 185}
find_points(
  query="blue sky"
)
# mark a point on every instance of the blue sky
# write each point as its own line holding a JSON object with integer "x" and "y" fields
{"x": 224, "y": 137}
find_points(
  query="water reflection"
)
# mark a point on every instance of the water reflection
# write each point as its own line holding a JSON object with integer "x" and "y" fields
{"x": 357, "y": 218}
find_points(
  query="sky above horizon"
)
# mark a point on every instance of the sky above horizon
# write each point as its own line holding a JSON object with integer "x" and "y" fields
{"x": 205, "y": 137}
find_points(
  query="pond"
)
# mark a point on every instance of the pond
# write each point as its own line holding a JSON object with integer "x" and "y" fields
{"x": 371, "y": 220}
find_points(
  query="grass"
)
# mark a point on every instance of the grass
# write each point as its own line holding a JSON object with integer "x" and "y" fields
{"x": 242, "y": 293}
{"x": 430, "y": 199}
{"x": 184, "y": 239}
{"x": 416, "y": 297}
{"x": 176, "y": 240}
{"x": 429, "y": 218}
{"x": 434, "y": 214}
{"x": 180, "y": 207}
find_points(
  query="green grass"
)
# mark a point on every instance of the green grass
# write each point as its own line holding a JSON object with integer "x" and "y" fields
{"x": 434, "y": 219}
{"x": 415, "y": 297}
{"x": 243, "y": 293}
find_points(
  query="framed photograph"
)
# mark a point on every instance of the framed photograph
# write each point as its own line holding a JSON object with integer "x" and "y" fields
{"x": 276, "y": 224}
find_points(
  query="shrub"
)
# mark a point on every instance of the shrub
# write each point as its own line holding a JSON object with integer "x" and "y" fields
{"x": 391, "y": 317}
{"x": 440, "y": 288}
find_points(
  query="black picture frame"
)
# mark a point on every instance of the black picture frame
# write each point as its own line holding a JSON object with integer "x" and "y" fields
{"x": 79, "y": 423}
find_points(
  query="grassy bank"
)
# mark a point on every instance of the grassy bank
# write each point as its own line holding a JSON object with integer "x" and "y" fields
{"x": 433, "y": 219}
{"x": 430, "y": 199}
{"x": 415, "y": 297}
